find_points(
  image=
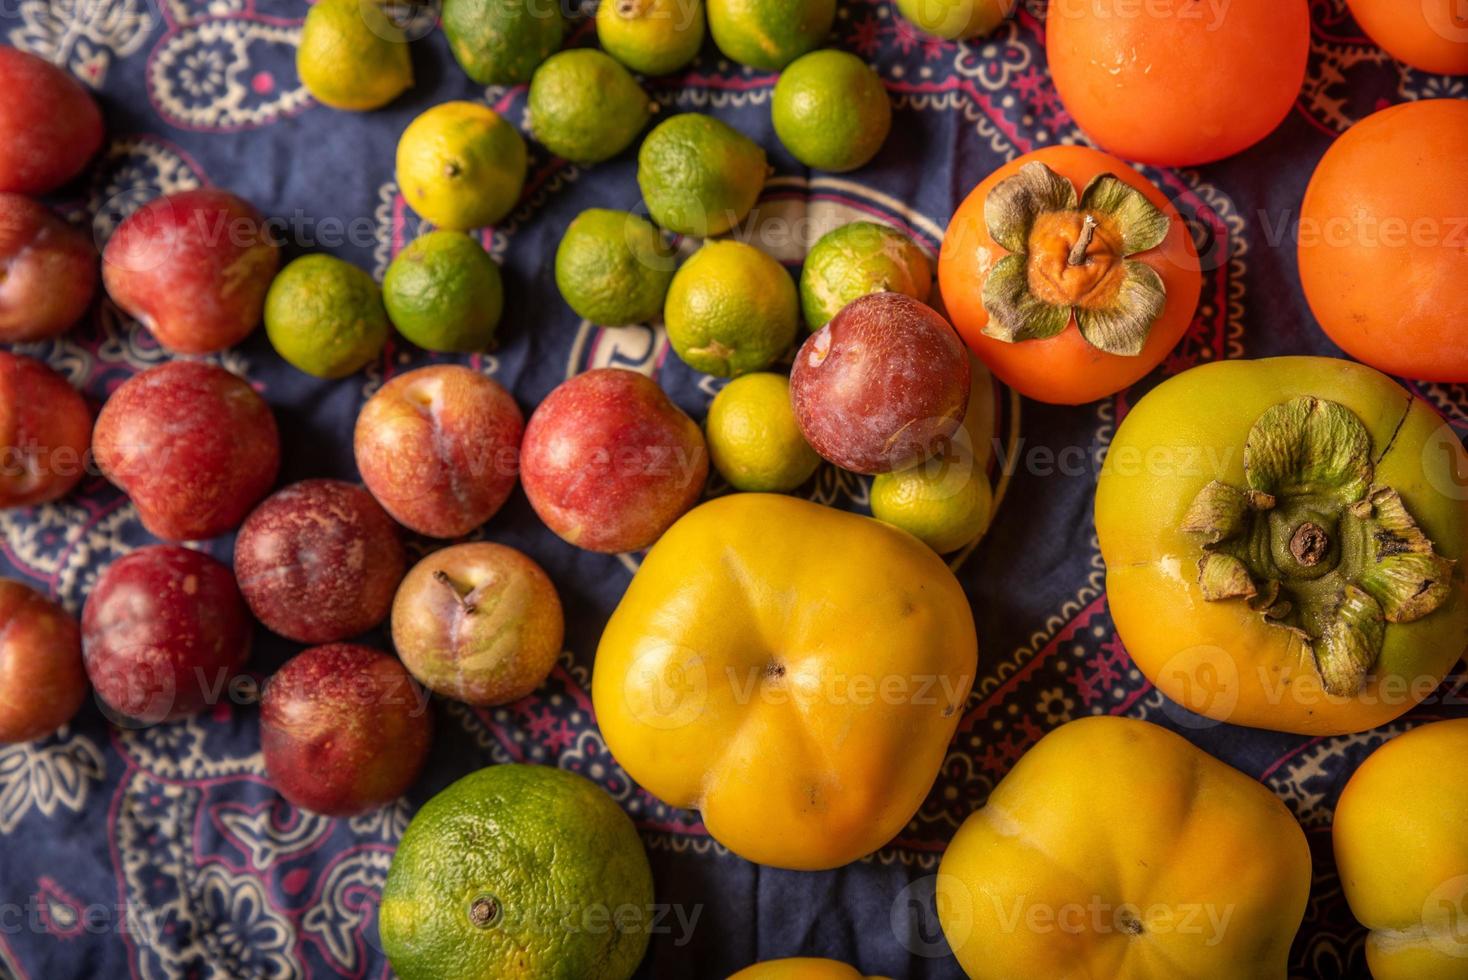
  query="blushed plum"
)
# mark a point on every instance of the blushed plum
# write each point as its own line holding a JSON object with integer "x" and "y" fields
{"x": 319, "y": 561}
{"x": 192, "y": 445}
{"x": 882, "y": 385}
{"x": 164, "y": 632}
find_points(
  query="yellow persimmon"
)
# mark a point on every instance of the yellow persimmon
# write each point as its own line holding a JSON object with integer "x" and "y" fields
{"x": 792, "y": 671}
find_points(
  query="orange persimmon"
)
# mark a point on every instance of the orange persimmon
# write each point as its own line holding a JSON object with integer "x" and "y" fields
{"x": 1383, "y": 240}
{"x": 1177, "y": 82}
{"x": 1095, "y": 278}
{"x": 1431, "y": 35}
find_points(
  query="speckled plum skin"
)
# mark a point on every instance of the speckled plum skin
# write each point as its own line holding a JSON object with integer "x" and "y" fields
{"x": 191, "y": 444}
{"x": 193, "y": 268}
{"x": 479, "y": 623}
{"x": 45, "y": 428}
{"x": 48, "y": 272}
{"x": 42, "y": 683}
{"x": 164, "y": 631}
{"x": 319, "y": 561}
{"x": 439, "y": 448}
{"x": 610, "y": 462}
{"x": 344, "y": 730}
{"x": 50, "y": 126}
{"x": 881, "y": 385}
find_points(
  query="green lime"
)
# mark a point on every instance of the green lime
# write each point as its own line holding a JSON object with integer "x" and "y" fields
{"x": 754, "y": 440}
{"x": 500, "y": 42}
{"x": 699, "y": 175}
{"x": 585, "y": 107}
{"x": 769, "y": 34}
{"x": 461, "y": 166}
{"x": 351, "y": 56}
{"x": 443, "y": 292}
{"x": 613, "y": 268}
{"x": 518, "y": 871}
{"x": 831, "y": 111}
{"x": 731, "y": 309}
{"x": 654, "y": 37}
{"x": 955, "y": 20}
{"x": 856, "y": 259}
{"x": 325, "y": 316}
{"x": 943, "y": 501}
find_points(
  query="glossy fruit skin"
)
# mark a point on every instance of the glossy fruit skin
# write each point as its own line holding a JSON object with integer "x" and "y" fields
{"x": 344, "y": 730}
{"x": 609, "y": 462}
{"x": 319, "y": 561}
{"x": 800, "y": 968}
{"x": 191, "y": 444}
{"x": 49, "y": 272}
{"x": 478, "y": 622}
{"x": 164, "y": 631}
{"x": 193, "y": 268}
{"x": 1217, "y": 658}
{"x": 42, "y": 681}
{"x": 769, "y": 34}
{"x": 1178, "y": 83}
{"x": 45, "y": 431}
{"x": 1111, "y": 825}
{"x": 438, "y": 448}
{"x": 50, "y": 126}
{"x": 498, "y": 43}
{"x": 1431, "y": 35}
{"x": 881, "y": 385}
{"x": 1384, "y": 240}
{"x": 1403, "y": 855}
{"x": 719, "y": 679}
{"x": 1063, "y": 369}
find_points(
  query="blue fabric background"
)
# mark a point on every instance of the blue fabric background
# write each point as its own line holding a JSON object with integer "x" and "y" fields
{"x": 164, "y": 853}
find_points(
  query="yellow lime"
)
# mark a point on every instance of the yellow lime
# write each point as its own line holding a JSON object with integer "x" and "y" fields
{"x": 444, "y": 293}
{"x": 943, "y": 501}
{"x": 831, "y": 111}
{"x": 731, "y": 309}
{"x": 613, "y": 268}
{"x": 856, "y": 259}
{"x": 461, "y": 166}
{"x": 956, "y": 20}
{"x": 585, "y": 107}
{"x": 518, "y": 871}
{"x": 699, "y": 176}
{"x": 654, "y": 37}
{"x": 499, "y": 42}
{"x": 769, "y": 34}
{"x": 351, "y": 56}
{"x": 754, "y": 440}
{"x": 325, "y": 316}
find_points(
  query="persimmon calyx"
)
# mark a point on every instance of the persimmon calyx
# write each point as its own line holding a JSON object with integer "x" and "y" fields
{"x": 1313, "y": 544}
{"x": 1069, "y": 257}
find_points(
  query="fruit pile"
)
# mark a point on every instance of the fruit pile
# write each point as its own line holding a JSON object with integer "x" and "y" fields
{"x": 1282, "y": 537}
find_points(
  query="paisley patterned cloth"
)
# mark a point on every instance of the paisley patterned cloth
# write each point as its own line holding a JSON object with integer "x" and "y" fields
{"x": 164, "y": 853}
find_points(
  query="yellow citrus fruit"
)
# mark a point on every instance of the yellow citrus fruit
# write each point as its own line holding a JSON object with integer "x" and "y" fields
{"x": 518, "y": 871}
{"x": 654, "y": 37}
{"x": 831, "y": 111}
{"x": 955, "y": 20}
{"x": 769, "y": 34}
{"x": 461, "y": 166}
{"x": 731, "y": 309}
{"x": 499, "y": 42}
{"x": 325, "y": 316}
{"x": 585, "y": 107}
{"x": 613, "y": 268}
{"x": 943, "y": 501}
{"x": 754, "y": 440}
{"x": 351, "y": 56}
{"x": 858, "y": 258}
{"x": 699, "y": 176}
